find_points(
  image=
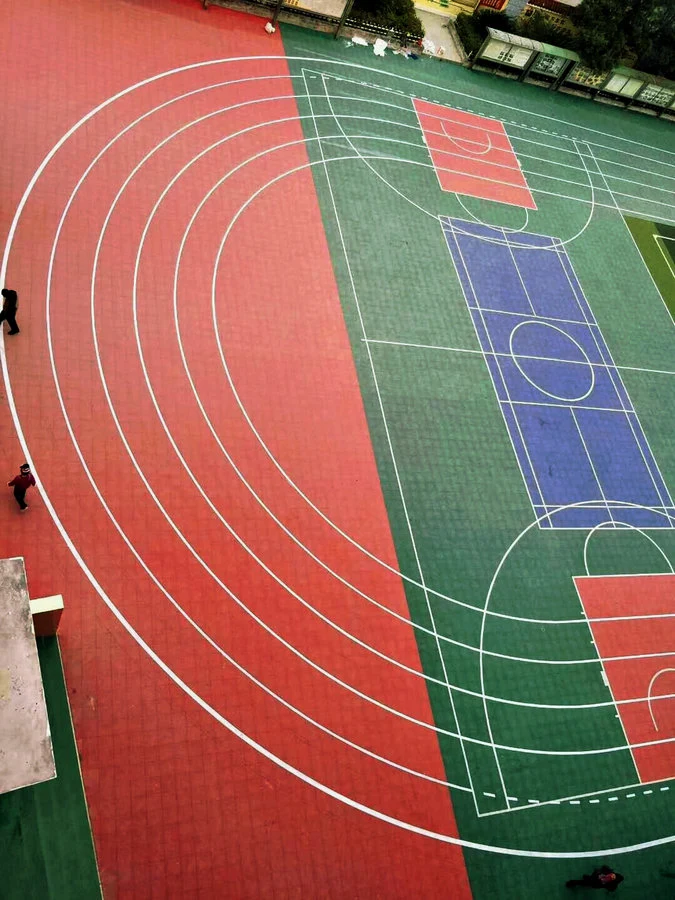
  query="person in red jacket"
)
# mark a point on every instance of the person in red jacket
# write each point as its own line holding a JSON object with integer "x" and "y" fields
{"x": 21, "y": 483}
{"x": 604, "y": 877}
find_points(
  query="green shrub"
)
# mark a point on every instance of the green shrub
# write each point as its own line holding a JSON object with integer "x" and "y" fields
{"x": 469, "y": 33}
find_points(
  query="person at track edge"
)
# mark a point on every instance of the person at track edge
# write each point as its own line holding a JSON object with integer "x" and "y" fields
{"x": 10, "y": 302}
{"x": 604, "y": 877}
{"x": 21, "y": 483}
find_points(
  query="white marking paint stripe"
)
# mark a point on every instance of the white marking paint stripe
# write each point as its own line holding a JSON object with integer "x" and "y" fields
{"x": 125, "y": 624}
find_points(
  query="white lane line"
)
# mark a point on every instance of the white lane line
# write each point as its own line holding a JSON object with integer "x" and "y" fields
{"x": 81, "y": 562}
{"x": 568, "y": 137}
{"x": 465, "y": 646}
{"x": 599, "y": 365}
{"x": 114, "y": 521}
{"x": 390, "y": 445}
{"x": 182, "y": 538}
{"x": 609, "y": 688}
{"x": 278, "y": 121}
{"x": 523, "y": 659}
{"x": 323, "y": 671}
{"x": 658, "y": 240}
{"x": 132, "y": 548}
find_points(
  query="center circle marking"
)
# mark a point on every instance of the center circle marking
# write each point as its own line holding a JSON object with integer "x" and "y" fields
{"x": 582, "y": 367}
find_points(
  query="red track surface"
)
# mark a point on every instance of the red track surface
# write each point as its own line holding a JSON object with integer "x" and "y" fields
{"x": 179, "y": 805}
{"x": 472, "y": 155}
{"x": 649, "y": 676}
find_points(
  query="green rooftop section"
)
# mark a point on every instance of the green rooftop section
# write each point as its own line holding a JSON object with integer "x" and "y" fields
{"x": 561, "y": 52}
{"x": 46, "y": 844}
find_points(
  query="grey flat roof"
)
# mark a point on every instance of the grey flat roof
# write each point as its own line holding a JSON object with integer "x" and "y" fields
{"x": 515, "y": 39}
{"x": 26, "y": 755}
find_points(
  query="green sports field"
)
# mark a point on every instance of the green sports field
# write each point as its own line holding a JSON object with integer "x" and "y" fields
{"x": 45, "y": 836}
{"x": 536, "y": 756}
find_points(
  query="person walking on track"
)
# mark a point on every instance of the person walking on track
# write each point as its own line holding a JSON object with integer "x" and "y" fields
{"x": 604, "y": 877}
{"x": 21, "y": 483}
{"x": 10, "y": 301}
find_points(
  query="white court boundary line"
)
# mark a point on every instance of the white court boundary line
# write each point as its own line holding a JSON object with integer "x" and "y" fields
{"x": 593, "y": 201}
{"x": 493, "y": 582}
{"x": 658, "y": 240}
{"x": 380, "y": 402}
{"x": 536, "y": 142}
{"x": 619, "y": 618}
{"x": 481, "y": 99}
{"x": 458, "y": 143}
{"x": 632, "y": 575}
{"x": 471, "y": 153}
{"x": 407, "y": 621}
{"x": 654, "y": 467}
{"x": 651, "y": 698}
{"x": 479, "y": 221}
{"x": 122, "y": 436}
{"x": 584, "y": 362}
{"x": 607, "y": 683}
{"x": 123, "y": 621}
{"x": 524, "y": 355}
{"x": 448, "y": 228}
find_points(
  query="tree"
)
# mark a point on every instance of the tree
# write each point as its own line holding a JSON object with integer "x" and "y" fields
{"x": 397, "y": 14}
{"x": 469, "y": 33}
{"x": 603, "y": 27}
{"x": 652, "y": 36}
{"x": 491, "y": 18}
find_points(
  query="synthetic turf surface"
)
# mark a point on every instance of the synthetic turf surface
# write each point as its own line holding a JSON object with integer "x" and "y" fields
{"x": 45, "y": 839}
{"x": 451, "y": 481}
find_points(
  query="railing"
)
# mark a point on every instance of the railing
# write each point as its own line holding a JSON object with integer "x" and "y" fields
{"x": 393, "y": 34}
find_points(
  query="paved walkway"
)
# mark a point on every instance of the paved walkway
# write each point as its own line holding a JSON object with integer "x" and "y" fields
{"x": 436, "y": 30}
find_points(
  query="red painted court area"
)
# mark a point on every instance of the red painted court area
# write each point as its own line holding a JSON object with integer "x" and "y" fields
{"x": 207, "y": 480}
{"x": 631, "y": 616}
{"x": 472, "y": 155}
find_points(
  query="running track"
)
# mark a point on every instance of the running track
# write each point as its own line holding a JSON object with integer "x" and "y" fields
{"x": 179, "y": 806}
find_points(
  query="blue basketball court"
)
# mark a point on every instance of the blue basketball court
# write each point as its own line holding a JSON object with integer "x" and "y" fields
{"x": 575, "y": 433}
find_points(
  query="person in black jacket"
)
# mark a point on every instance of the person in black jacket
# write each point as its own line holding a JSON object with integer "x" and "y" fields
{"x": 604, "y": 877}
{"x": 8, "y": 314}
